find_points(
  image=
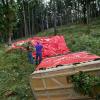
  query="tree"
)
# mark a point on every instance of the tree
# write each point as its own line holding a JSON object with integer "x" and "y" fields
{"x": 9, "y": 17}
{"x": 85, "y": 4}
{"x": 34, "y": 15}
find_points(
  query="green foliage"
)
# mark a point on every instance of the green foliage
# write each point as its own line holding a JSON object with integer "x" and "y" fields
{"x": 78, "y": 38}
{"x": 14, "y": 76}
{"x": 7, "y": 18}
{"x": 85, "y": 83}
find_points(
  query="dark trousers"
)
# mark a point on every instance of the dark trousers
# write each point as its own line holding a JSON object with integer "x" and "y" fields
{"x": 38, "y": 58}
{"x": 30, "y": 58}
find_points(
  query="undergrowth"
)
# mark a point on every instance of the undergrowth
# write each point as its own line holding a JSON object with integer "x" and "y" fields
{"x": 14, "y": 76}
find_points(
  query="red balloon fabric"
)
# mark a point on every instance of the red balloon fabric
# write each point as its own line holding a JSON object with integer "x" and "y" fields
{"x": 70, "y": 58}
{"x": 52, "y": 46}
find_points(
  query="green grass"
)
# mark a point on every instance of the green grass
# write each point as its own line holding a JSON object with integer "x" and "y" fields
{"x": 14, "y": 76}
{"x": 15, "y": 69}
{"x": 79, "y": 37}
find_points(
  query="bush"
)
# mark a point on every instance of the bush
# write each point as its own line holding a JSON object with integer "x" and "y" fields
{"x": 14, "y": 76}
{"x": 86, "y": 84}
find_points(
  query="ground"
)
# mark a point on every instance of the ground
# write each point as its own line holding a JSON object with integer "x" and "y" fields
{"x": 15, "y": 69}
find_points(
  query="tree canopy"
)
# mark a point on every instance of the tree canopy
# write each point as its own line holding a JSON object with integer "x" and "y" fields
{"x": 23, "y": 18}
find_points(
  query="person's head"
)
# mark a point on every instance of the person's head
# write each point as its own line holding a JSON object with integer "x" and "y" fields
{"x": 29, "y": 43}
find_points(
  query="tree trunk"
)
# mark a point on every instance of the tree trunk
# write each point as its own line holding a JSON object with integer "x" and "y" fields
{"x": 78, "y": 13}
{"x": 70, "y": 16}
{"x": 42, "y": 23}
{"x": 55, "y": 24}
{"x": 33, "y": 30}
{"x": 84, "y": 14}
{"x": 55, "y": 27}
{"x": 9, "y": 38}
{"x": 29, "y": 20}
{"x": 67, "y": 16}
{"x": 73, "y": 17}
{"x": 88, "y": 13}
{"x": 25, "y": 23}
{"x": 9, "y": 41}
{"x": 47, "y": 25}
{"x": 60, "y": 20}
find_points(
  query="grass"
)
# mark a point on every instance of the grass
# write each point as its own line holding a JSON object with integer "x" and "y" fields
{"x": 15, "y": 69}
{"x": 79, "y": 37}
{"x": 14, "y": 76}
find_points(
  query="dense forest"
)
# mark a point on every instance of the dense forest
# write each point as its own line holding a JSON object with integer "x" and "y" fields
{"x": 24, "y": 18}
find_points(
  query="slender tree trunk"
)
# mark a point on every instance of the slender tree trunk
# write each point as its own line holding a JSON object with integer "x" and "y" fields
{"x": 98, "y": 2}
{"x": 25, "y": 23}
{"x": 10, "y": 36}
{"x": 88, "y": 13}
{"x": 73, "y": 17}
{"x": 32, "y": 23}
{"x": 9, "y": 39}
{"x": 29, "y": 20}
{"x": 60, "y": 20}
{"x": 84, "y": 14}
{"x": 70, "y": 14}
{"x": 78, "y": 13}
{"x": 47, "y": 25}
{"x": 67, "y": 16}
{"x": 42, "y": 23}
{"x": 55, "y": 26}
{"x": 34, "y": 30}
